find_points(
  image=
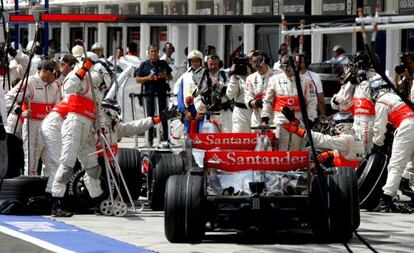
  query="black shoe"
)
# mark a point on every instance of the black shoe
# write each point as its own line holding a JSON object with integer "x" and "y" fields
{"x": 405, "y": 187}
{"x": 97, "y": 202}
{"x": 61, "y": 213}
{"x": 386, "y": 205}
{"x": 57, "y": 209}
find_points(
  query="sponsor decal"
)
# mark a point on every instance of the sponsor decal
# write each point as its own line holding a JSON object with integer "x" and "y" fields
{"x": 233, "y": 141}
{"x": 256, "y": 160}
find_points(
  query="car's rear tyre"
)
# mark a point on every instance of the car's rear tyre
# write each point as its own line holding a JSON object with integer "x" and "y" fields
{"x": 184, "y": 219}
{"x": 163, "y": 166}
{"x": 371, "y": 181}
{"x": 332, "y": 206}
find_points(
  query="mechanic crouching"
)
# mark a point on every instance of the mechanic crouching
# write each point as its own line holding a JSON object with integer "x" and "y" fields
{"x": 344, "y": 148}
{"x": 115, "y": 129}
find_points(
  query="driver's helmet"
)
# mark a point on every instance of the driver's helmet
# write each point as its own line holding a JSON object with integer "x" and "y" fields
{"x": 342, "y": 123}
{"x": 105, "y": 72}
{"x": 378, "y": 88}
{"x": 176, "y": 131}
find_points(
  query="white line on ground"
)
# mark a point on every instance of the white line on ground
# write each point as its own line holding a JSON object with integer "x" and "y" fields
{"x": 36, "y": 241}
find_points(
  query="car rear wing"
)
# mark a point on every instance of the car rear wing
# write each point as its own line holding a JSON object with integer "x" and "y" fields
{"x": 227, "y": 141}
{"x": 234, "y": 161}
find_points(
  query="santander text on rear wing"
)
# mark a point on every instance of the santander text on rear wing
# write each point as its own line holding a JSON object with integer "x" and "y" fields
{"x": 234, "y": 161}
{"x": 227, "y": 141}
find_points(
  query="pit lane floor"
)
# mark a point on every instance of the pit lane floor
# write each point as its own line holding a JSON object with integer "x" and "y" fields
{"x": 385, "y": 233}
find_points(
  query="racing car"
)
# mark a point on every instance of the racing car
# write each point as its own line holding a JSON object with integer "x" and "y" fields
{"x": 197, "y": 201}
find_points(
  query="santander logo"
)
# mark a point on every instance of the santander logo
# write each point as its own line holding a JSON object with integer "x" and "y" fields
{"x": 227, "y": 141}
{"x": 257, "y": 160}
{"x": 211, "y": 140}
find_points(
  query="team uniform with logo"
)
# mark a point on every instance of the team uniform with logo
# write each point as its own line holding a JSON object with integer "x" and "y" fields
{"x": 282, "y": 92}
{"x": 242, "y": 114}
{"x": 390, "y": 108}
{"x": 78, "y": 134}
{"x": 357, "y": 101}
{"x": 255, "y": 88}
{"x": 40, "y": 98}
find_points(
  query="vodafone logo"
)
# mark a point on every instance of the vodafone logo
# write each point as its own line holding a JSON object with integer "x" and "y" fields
{"x": 359, "y": 103}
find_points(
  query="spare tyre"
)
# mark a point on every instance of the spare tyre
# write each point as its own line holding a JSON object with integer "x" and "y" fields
{"x": 371, "y": 181}
{"x": 23, "y": 187}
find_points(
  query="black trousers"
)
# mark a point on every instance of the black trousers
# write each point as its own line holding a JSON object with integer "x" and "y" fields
{"x": 150, "y": 109}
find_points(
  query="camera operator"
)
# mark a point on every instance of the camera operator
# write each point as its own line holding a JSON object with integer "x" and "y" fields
{"x": 242, "y": 113}
{"x": 213, "y": 97}
{"x": 403, "y": 75}
{"x": 154, "y": 74}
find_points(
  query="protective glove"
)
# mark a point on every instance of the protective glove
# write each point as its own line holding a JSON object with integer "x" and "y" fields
{"x": 166, "y": 115}
{"x": 2, "y": 132}
{"x": 258, "y": 103}
{"x": 291, "y": 128}
{"x": 324, "y": 156}
{"x": 290, "y": 115}
{"x": 86, "y": 66}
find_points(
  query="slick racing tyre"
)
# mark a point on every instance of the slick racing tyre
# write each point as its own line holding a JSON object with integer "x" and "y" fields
{"x": 371, "y": 181}
{"x": 184, "y": 200}
{"x": 333, "y": 206}
{"x": 23, "y": 187}
{"x": 129, "y": 161}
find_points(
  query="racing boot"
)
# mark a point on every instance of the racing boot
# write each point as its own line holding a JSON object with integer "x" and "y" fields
{"x": 386, "y": 205}
{"x": 405, "y": 187}
{"x": 58, "y": 210}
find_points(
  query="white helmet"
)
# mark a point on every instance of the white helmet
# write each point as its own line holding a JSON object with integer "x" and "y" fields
{"x": 343, "y": 122}
{"x": 176, "y": 131}
{"x": 378, "y": 87}
{"x": 97, "y": 47}
{"x": 195, "y": 54}
{"x": 77, "y": 51}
